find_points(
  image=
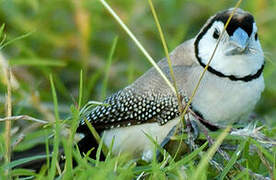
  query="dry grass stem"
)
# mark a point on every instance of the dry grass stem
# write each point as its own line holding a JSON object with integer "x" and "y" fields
{"x": 167, "y": 54}
{"x": 19, "y": 139}
{"x": 254, "y": 132}
{"x": 210, "y": 153}
{"x": 117, "y": 18}
{"x": 209, "y": 61}
{"x": 82, "y": 20}
{"x": 226, "y": 157}
{"x": 204, "y": 71}
{"x": 265, "y": 162}
{"x": 4, "y": 66}
{"x": 23, "y": 117}
{"x": 8, "y": 122}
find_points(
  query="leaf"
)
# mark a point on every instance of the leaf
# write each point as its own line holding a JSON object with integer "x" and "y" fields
{"x": 36, "y": 62}
{"x": 24, "y": 160}
{"x": 232, "y": 161}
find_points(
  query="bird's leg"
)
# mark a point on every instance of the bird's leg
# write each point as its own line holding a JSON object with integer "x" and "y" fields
{"x": 211, "y": 142}
{"x": 165, "y": 141}
{"x": 168, "y": 137}
{"x": 192, "y": 132}
{"x": 191, "y": 126}
{"x": 209, "y": 139}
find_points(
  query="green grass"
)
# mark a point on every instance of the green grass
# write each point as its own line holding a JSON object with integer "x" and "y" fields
{"x": 90, "y": 57}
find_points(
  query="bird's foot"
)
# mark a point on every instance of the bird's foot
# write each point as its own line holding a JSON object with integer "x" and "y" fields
{"x": 192, "y": 131}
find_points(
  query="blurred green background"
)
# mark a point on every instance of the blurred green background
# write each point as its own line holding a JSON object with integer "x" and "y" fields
{"x": 70, "y": 35}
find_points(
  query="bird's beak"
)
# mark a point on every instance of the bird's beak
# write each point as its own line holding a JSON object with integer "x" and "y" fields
{"x": 238, "y": 42}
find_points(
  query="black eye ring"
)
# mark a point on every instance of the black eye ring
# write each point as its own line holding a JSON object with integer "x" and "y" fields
{"x": 256, "y": 36}
{"x": 216, "y": 34}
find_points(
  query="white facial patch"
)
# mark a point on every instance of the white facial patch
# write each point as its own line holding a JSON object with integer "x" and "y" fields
{"x": 255, "y": 28}
{"x": 236, "y": 55}
{"x": 207, "y": 44}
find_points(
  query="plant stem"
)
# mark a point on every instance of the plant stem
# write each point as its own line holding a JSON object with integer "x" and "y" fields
{"x": 8, "y": 122}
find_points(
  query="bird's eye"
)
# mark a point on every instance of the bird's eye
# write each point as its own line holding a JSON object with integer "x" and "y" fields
{"x": 256, "y": 36}
{"x": 216, "y": 34}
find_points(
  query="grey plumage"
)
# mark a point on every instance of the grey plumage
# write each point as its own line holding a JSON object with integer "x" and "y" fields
{"x": 227, "y": 94}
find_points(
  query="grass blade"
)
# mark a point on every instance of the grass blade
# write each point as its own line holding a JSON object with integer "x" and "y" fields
{"x": 24, "y": 160}
{"x": 96, "y": 136}
{"x": 47, "y": 152}
{"x": 267, "y": 154}
{"x": 37, "y": 62}
{"x": 189, "y": 157}
{"x": 8, "y": 122}
{"x": 68, "y": 144}
{"x": 1, "y": 34}
{"x": 166, "y": 52}
{"x": 98, "y": 153}
{"x": 150, "y": 59}
{"x": 204, "y": 161}
{"x": 2, "y": 29}
{"x": 23, "y": 172}
{"x": 57, "y": 131}
{"x": 80, "y": 90}
{"x": 232, "y": 161}
{"x": 15, "y": 39}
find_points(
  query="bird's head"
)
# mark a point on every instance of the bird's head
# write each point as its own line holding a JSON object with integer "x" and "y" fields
{"x": 239, "y": 52}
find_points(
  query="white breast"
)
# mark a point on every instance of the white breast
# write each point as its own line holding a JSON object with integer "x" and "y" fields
{"x": 133, "y": 141}
{"x": 223, "y": 101}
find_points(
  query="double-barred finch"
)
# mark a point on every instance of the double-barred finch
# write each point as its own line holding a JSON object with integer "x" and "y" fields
{"x": 227, "y": 94}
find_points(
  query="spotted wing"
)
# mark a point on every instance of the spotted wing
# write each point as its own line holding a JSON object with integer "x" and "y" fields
{"x": 127, "y": 108}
